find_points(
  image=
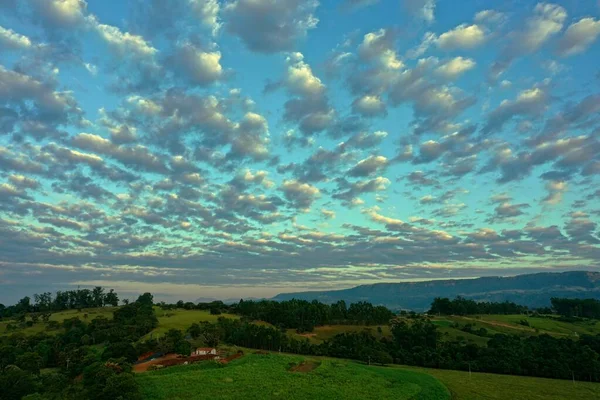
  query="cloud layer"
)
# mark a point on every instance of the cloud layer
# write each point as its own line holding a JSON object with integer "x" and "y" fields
{"x": 242, "y": 147}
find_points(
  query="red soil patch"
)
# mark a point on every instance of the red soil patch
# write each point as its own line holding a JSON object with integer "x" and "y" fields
{"x": 143, "y": 367}
{"x": 305, "y": 366}
{"x": 231, "y": 358}
{"x": 175, "y": 359}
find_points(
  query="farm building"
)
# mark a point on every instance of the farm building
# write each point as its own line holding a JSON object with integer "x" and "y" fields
{"x": 203, "y": 351}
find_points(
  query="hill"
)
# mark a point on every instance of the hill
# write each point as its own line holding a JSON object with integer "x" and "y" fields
{"x": 532, "y": 290}
{"x": 268, "y": 376}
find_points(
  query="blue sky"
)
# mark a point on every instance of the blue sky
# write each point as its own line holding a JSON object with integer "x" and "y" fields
{"x": 206, "y": 148}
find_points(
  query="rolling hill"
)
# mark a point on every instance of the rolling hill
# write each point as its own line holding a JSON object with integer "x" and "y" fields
{"x": 532, "y": 290}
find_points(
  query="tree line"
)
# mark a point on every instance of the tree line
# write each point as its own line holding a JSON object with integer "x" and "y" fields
{"x": 462, "y": 306}
{"x": 62, "y": 300}
{"x": 304, "y": 315}
{"x": 581, "y": 308}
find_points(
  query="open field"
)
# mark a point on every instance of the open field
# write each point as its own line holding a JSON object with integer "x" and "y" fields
{"x": 106, "y": 312}
{"x": 480, "y": 386}
{"x": 322, "y": 333}
{"x": 167, "y": 319}
{"x": 182, "y": 319}
{"x": 548, "y": 325}
{"x": 510, "y": 324}
{"x": 268, "y": 376}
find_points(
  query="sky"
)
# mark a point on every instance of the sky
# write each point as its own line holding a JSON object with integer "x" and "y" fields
{"x": 243, "y": 148}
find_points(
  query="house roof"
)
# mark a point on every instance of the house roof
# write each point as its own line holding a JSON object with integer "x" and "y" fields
{"x": 205, "y": 348}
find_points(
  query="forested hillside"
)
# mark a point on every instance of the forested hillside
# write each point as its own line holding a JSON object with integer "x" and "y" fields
{"x": 532, "y": 290}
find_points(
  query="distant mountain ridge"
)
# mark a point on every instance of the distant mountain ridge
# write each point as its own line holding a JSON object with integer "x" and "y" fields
{"x": 532, "y": 290}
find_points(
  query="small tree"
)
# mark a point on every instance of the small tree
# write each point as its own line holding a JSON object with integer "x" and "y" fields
{"x": 29, "y": 361}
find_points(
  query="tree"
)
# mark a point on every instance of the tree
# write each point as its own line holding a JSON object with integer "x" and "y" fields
{"x": 120, "y": 349}
{"x": 145, "y": 298}
{"x": 24, "y": 305}
{"x": 98, "y": 296}
{"x": 120, "y": 387}
{"x": 30, "y": 361}
{"x": 111, "y": 298}
{"x": 16, "y": 383}
{"x": 381, "y": 357}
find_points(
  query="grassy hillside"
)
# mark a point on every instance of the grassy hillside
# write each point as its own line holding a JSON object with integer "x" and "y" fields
{"x": 86, "y": 314}
{"x": 271, "y": 376}
{"x": 322, "y": 333}
{"x": 182, "y": 319}
{"x": 510, "y": 324}
{"x": 171, "y": 319}
{"x": 480, "y": 386}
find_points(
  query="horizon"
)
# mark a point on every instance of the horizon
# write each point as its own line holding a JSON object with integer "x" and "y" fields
{"x": 182, "y": 147}
{"x": 255, "y": 293}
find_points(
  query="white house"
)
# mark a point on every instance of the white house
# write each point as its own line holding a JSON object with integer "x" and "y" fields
{"x": 203, "y": 351}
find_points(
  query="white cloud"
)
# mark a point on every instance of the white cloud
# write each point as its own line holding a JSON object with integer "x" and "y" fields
{"x": 462, "y": 37}
{"x": 578, "y": 37}
{"x": 455, "y": 67}
{"x": 300, "y": 78}
{"x": 422, "y": 9}
{"x": 207, "y": 11}
{"x": 369, "y": 105}
{"x": 301, "y": 195}
{"x": 369, "y": 166}
{"x": 269, "y": 26}
{"x": 60, "y": 13}
{"x": 546, "y": 22}
{"x": 379, "y": 46}
{"x": 91, "y": 68}
{"x": 529, "y": 102}
{"x": 202, "y": 68}
{"x": 556, "y": 190}
{"x": 9, "y": 39}
{"x": 123, "y": 43}
{"x": 489, "y": 17}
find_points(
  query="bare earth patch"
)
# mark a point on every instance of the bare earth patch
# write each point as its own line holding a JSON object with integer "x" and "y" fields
{"x": 305, "y": 366}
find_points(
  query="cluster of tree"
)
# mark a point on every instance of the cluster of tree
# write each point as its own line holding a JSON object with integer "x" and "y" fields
{"x": 62, "y": 300}
{"x": 74, "y": 352}
{"x": 462, "y": 306}
{"x": 304, "y": 315}
{"x": 583, "y": 308}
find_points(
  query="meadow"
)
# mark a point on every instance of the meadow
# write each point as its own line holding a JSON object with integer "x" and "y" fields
{"x": 182, "y": 319}
{"x": 269, "y": 376}
{"x": 322, "y": 333}
{"x": 480, "y": 386}
{"x": 87, "y": 314}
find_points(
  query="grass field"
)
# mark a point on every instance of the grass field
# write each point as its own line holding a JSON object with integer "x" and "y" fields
{"x": 92, "y": 313}
{"x": 322, "y": 333}
{"x": 480, "y": 386}
{"x": 269, "y": 377}
{"x": 171, "y": 319}
{"x": 182, "y": 319}
{"x": 548, "y": 325}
